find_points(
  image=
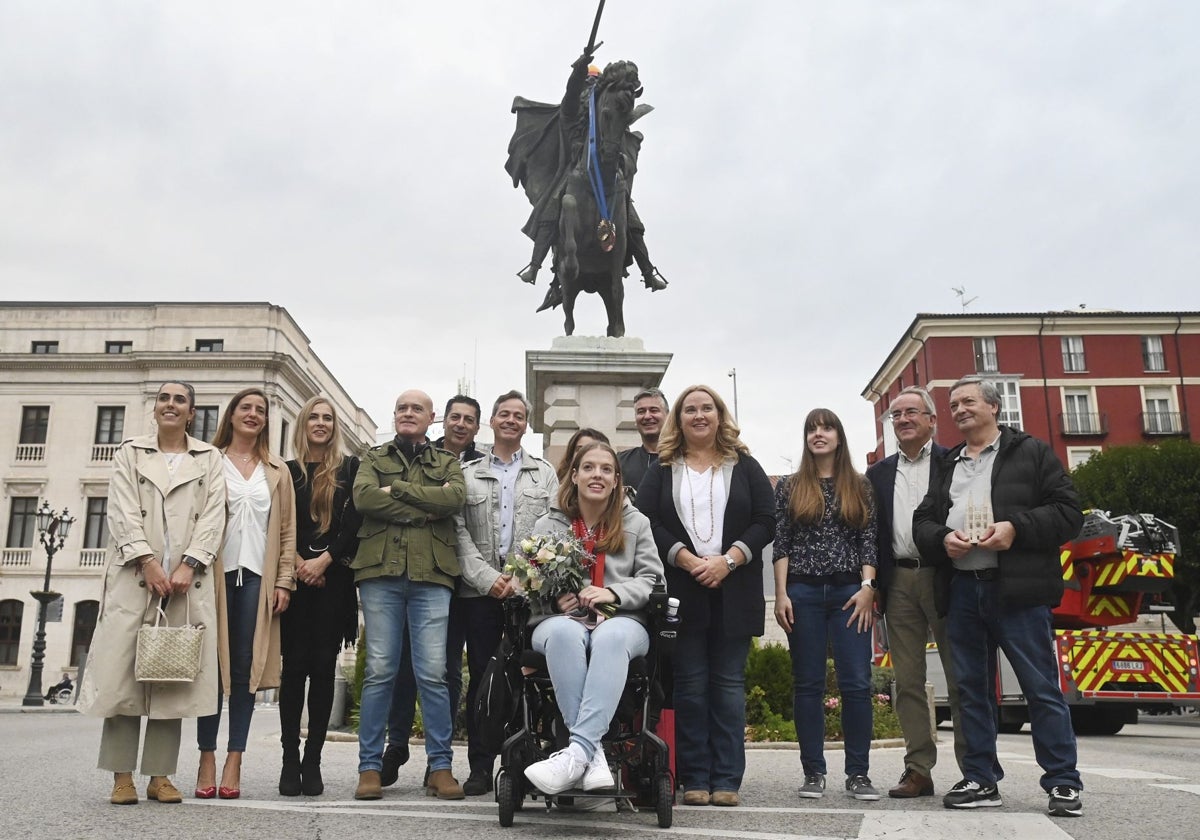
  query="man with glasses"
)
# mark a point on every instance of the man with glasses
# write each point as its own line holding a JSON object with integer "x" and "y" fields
{"x": 906, "y": 586}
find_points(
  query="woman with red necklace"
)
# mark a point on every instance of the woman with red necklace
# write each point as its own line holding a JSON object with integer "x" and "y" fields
{"x": 588, "y": 659}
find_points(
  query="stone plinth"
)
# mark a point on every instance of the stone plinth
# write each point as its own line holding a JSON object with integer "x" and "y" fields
{"x": 586, "y": 381}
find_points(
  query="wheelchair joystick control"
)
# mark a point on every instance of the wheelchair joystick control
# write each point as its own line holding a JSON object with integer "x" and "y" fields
{"x": 668, "y": 627}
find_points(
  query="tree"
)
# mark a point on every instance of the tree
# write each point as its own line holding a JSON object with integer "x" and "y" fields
{"x": 1163, "y": 480}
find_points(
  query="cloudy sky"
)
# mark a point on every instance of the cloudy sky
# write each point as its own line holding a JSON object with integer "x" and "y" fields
{"x": 813, "y": 175}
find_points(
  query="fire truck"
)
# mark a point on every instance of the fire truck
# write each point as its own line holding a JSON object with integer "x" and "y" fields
{"x": 1114, "y": 572}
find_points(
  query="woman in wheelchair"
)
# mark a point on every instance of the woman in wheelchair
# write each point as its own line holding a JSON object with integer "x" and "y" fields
{"x": 586, "y": 654}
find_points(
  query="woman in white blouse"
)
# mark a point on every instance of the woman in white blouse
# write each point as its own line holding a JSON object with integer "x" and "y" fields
{"x": 255, "y": 581}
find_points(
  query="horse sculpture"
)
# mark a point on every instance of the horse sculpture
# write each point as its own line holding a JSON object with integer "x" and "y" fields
{"x": 576, "y": 162}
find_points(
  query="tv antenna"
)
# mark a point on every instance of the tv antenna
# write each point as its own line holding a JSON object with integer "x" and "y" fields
{"x": 961, "y": 291}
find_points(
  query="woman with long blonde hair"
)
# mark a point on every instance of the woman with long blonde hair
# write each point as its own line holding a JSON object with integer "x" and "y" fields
{"x": 712, "y": 510}
{"x": 825, "y": 568}
{"x": 324, "y": 610}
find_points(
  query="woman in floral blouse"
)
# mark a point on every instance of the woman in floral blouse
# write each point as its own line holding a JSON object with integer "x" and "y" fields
{"x": 824, "y": 596}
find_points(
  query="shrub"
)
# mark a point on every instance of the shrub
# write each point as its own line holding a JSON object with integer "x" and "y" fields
{"x": 769, "y": 668}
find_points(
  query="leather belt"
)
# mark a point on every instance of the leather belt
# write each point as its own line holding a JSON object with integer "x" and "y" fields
{"x": 908, "y": 562}
{"x": 980, "y": 574}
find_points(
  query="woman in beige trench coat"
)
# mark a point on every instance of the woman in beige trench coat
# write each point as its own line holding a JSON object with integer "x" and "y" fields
{"x": 255, "y": 582}
{"x": 166, "y": 516}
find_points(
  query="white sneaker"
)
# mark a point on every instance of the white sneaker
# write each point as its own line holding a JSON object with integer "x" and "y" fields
{"x": 561, "y": 771}
{"x": 598, "y": 776}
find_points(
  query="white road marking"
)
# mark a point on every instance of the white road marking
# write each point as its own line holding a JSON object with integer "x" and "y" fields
{"x": 894, "y": 825}
{"x": 1185, "y": 788}
{"x": 1124, "y": 773}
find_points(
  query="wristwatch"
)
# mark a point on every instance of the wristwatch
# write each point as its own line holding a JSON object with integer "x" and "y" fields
{"x": 870, "y": 584}
{"x": 194, "y": 564}
{"x": 730, "y": 563}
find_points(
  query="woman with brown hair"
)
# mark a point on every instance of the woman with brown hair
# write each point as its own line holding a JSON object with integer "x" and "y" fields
{"x": 166, "y": 515}
{"x": 713, "y": 513}
{"x": 323, "y": 613}
{"x": 588, "y": 658}
{"x": 256, "y": 561}
{"x": 581, "y": 438}
{"x": 825, "y": 595}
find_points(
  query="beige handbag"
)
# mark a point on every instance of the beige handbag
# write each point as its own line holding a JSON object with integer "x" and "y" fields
{"x": 169, "y": 654}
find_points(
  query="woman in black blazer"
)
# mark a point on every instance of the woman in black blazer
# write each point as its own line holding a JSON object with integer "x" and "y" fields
{"x": 713, "y": 512}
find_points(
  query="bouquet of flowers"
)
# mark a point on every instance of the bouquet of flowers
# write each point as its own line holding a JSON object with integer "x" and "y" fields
{"x": 550, "y": 565}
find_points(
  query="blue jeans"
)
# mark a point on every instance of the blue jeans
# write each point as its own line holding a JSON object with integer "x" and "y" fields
{"x": 404, "y": 693}
{"x": 394, "y": 607}
{"x": 588, "y": 669}
{"x": 977, "y": 623}
{"x": 710, "y": 706}
{"x": 819, "y": 622}
{"x": 241, "y": 613}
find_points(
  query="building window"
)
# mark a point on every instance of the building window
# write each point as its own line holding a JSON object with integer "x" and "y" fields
{"x": 1077, "y": 456}
{"x": 1153, "y": 358}
{"x": 1072, "y": 354}
{"x": 1159, "y": 417}
{"x": 1010, "y": 403}
{"x": 210, "y": 345}
{"x": 110, "y": 423}
{"x": 985, "y": 356}
{"x": 283, "y": 438}
{"x": 95, "y": 526}
{"x": 1078, "y": 415}
{"x": 204, "y": 426}
{"x": 35, "y": 420}
{"x": 10, "y": 631}
{"x": 86, "y": 613}
{"x": 118, "y": 347}
{"x": 22, "y": 522}
{"x": 41, "y": 348}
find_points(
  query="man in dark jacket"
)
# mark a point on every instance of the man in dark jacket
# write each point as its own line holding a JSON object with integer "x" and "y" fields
{"x": 993, "y": 521}
{"x": 906, "y": 587}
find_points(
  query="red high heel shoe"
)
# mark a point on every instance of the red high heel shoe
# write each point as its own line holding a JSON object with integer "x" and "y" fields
{"x": 228, "y": 793}
{"x": 207, "y": 793}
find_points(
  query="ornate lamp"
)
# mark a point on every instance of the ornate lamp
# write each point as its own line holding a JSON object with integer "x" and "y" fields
{"x": 53, "y": 528}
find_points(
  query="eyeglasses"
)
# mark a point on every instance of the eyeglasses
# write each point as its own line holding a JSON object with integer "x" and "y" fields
{"x": 906, "y": 414}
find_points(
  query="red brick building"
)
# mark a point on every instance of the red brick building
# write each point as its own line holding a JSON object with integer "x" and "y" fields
{"x": 1082, "y": 381}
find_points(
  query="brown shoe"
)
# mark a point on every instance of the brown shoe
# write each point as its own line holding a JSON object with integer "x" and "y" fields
{"x": 726, "y": 798}
{"x": 124, "y": 793}
{"x": 912, "y": 784}
{"x": 160, "y": 788}
{"x": 696, "y": 797}
{"x": 443, "y": 785}
{"x": 369, "y": 786}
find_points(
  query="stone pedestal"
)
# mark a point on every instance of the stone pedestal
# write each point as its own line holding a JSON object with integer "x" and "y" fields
{"x": 585, "y": 381}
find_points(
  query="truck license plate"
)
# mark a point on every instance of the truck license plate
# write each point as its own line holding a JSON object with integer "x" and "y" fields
{"x": 1127, "y": 665}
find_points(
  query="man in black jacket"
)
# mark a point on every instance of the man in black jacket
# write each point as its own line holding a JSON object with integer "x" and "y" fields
{"x": 993, "y": 521}
{"x": 906, "y": 587}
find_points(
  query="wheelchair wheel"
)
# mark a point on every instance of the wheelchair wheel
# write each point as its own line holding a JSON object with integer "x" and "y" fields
{"x": 664, "y": 791}
{"x": 507, "y": 796}
{"x": 63, "y": 696}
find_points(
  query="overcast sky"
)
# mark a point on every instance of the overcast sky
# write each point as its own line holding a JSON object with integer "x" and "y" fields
{"x": 813, "y": 175}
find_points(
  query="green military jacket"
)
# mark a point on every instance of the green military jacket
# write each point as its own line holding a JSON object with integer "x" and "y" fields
{"x": 408, "y": 512}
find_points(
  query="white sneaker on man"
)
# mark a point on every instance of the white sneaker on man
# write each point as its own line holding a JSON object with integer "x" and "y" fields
{"x": 563, "y": 770}
{"x": 598, "y": 776}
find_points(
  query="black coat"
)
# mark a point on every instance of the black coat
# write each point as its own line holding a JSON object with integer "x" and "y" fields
{"x": 883, "y": 481}
{"x": 1031, "y": 490}
{"x": 749, "y": 520}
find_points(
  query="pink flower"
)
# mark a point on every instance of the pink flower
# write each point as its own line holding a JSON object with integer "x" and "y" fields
{"x": 832, "y": 702}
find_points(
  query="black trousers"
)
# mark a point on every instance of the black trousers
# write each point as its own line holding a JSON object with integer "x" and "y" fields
{"x": 310, "y": 637}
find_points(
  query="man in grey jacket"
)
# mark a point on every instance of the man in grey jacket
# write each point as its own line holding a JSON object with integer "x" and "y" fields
{"x": 507, "y": 490}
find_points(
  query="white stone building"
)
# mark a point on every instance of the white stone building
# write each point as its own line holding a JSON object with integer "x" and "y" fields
{"x": 78, "y": 378}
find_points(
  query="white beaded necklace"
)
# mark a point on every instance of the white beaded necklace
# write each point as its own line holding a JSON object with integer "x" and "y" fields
{"x": 712, "y": 519}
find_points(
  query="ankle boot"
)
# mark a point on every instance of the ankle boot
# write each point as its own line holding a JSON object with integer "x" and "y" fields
{"x": 289, "y": 776}
{"x": 311, "y": 783}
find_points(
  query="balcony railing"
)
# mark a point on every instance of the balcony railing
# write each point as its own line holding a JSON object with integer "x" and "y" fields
{"x": 16, "y": 558}
{"x": 1153, "y": 361}
{"x": 91, "y": 558}
{"x": 104, "y": 451}
{"x": 986, "y": 363}
{"x": 1074, "y": 363}
{"x": 28, "y": 452}
{"x": 1164, "y": 423}
{"x": 1083, "y": 423}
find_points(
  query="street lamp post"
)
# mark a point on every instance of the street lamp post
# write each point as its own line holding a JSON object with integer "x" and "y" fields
{"x": 733, "y": 375}
{"x": 53, "y": 528}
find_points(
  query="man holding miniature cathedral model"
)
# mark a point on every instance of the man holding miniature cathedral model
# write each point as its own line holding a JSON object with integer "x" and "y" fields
{"x": 993, "y": 521}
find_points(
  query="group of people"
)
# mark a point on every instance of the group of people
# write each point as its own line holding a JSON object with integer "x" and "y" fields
{"x": 267, "y": 556}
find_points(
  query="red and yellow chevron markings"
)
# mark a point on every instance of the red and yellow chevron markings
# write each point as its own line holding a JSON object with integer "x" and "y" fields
{"x": 1100, "y": 659}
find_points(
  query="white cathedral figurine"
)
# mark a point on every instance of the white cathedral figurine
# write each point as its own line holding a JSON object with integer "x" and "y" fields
{"x": 978, "y": 520}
